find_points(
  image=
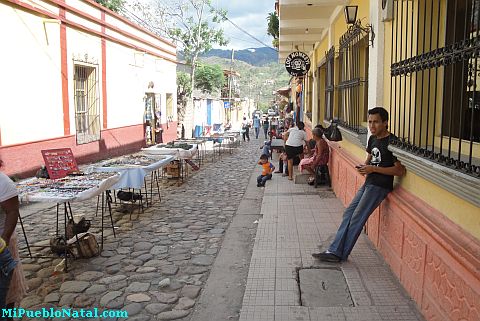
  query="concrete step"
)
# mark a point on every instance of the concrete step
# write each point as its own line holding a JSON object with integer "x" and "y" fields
{"x": 301, "y": 178}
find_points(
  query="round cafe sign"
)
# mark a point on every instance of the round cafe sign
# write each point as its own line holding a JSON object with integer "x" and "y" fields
{"x": 297, "y": 63}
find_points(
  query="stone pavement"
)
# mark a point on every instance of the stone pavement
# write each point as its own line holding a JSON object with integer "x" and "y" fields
{"x": 298, "y": 220}
{"x": 160, "y": 260}
{"x": 174, "y": 262}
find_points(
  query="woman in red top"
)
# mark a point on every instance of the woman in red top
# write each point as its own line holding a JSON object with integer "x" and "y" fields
{"x": 320, "y": 154}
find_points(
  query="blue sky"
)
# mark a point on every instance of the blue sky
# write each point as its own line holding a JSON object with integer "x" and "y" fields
{"x": 250, "y": 15}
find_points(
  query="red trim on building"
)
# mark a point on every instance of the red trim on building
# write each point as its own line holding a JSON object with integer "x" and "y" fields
{"x": 87, "y": 30}
{"x": 64, "y": 75}
{"x": 435, "y": 260}
{"x": 102, "y": 22}
{"x": 128, "y": 22}
{"x": 25, "y": 159}
{"x": 104, "y": 75}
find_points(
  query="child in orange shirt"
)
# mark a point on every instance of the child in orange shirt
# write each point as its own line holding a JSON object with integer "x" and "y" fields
{"x": 267, "y": 170}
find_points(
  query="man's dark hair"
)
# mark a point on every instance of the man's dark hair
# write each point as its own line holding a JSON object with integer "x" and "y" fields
{"x": 300, "y": 125}
{"x": 380, "y": 111}
{"x": 264, "y": 156}
{"x": 318, "y": 131}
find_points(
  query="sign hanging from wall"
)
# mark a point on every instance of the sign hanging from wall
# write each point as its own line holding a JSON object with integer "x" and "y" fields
{"x": 297, "y": 63}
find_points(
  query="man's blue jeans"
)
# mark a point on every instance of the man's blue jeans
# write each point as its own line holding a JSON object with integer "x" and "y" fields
{"x": 355, "y": 216}
{"x": 7, "y": 265}
{"x": 257, "y": 130}
{"x": 263, "y": 178}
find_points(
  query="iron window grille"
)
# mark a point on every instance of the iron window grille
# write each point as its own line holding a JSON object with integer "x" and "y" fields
{"x": 87, "y": 105}
{"x": 435, "y": 81}
{"x": 353, "y": 75}
{"x": 329, "y": 83}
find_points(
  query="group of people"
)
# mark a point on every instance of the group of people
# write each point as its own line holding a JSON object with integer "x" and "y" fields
{"x": 308, "y": 154}
{"x": 379, "y": 168}
{"x": 257, "y": 124}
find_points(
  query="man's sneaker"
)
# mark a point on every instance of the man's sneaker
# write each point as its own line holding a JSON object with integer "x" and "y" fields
{"x": 327, "y": 257}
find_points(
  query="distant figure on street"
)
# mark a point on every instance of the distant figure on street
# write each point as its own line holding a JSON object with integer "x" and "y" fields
{"x": 380, "y": 167}
{"x": 265, "y": 126}
{"x": 267, "y": 170}
{"x": 256, "y": 125}
{"x": 245, "y": 129}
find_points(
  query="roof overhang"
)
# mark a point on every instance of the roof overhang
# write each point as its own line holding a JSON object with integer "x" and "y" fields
{"x": 303, "y": 23}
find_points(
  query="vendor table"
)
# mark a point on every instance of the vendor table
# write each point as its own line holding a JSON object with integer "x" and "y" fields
{"x": 133, "y": 170}
{"x": 177, "y": 151}
{"x": 201, "y": 147}
{"x": 65, "y": 191}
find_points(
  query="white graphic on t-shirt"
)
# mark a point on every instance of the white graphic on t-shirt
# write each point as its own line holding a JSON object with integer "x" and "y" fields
{"x": 376, "y": 156}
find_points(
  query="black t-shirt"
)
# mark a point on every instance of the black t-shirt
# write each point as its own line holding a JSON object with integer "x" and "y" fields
{"x": 381, "y": 157}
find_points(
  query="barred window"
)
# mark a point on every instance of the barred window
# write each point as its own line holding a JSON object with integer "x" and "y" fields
{"x": 353, "y": 89}
{"x": 87, "y": 107}
{"x": 329, "y": 83}
{"x": 435, "y": 81}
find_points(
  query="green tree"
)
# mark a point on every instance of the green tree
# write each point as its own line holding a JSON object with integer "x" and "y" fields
{"x": 209, "y": 78}
{"x": 192, "y": 25}
{"x": 272, "y": 28}
{"x": 114, "y": 5}
{"x": 184, "y": 90}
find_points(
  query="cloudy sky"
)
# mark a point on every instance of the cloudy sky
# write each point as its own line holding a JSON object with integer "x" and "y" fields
{"x": 250, "y": 15}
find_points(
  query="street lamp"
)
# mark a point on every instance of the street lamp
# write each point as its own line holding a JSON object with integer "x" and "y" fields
{"x": 351, "y": 14}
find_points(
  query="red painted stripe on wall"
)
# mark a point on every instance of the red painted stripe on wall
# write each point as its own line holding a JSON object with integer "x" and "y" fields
{"x": 64, "y": 75}
{"x": 103, "y": 23}
{"x": 87, "y": 30}
{"x": 104, "y": 74}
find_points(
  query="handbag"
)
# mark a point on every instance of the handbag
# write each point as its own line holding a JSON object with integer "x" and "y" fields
{"x": 332, "y": 133}
{"x": 58, "y": 245}
{"x": 76, "y": 228}
{"x": 85, "y": 247}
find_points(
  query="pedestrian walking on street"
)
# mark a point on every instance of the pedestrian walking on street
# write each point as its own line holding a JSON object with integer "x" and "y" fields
{"x": 256, "y": 125}
{"x": 245, "y": 129}
{"x": 265, "y": 125}
{"x": 267, "y": 170}
{"x": 380, "y": 167}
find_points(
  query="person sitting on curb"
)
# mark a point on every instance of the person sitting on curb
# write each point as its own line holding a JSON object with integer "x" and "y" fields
{"x": 380, "y": 167}
{"x": 267, "y": 169}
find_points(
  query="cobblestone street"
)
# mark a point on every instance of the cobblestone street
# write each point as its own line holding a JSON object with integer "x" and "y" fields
{"x": 159, "y": 261}
{"x": 219, "y": 248}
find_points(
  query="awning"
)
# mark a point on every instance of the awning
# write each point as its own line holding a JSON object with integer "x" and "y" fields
{"x": 284, "y": 91}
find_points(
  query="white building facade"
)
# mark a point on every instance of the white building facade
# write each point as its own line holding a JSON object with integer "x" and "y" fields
{"x": 78, "y": 75}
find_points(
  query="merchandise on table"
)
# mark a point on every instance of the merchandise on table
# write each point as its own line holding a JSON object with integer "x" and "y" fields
{"x": 64, "y": 188}
{"x": 132, "y": 161}
{"x": 184, "y": 146}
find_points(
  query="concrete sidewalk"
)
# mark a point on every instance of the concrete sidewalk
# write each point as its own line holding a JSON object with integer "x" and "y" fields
{"x": 297, "y": 218}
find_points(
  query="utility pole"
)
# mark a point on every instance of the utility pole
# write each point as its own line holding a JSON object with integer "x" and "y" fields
{"x": 230, "y": 86}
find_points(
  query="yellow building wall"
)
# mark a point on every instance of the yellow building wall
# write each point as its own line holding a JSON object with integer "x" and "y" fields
{"x": 463, "y": 213}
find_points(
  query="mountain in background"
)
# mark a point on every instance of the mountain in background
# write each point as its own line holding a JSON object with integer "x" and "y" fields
{"x": 256, "y": 81}
{"x": 252, "y": 56}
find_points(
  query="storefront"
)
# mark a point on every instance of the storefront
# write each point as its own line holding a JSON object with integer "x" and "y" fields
{"x": 415, "y": 58}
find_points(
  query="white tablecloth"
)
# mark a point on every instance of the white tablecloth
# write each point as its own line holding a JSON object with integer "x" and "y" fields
{"x": 132, "y": 176}
{"x": 178, "y": 153}
{"x": 277, "y": 143}
{"x": 43, "y": 195}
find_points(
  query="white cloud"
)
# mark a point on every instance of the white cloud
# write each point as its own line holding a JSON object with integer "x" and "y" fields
{"x": 251, "y": 16}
